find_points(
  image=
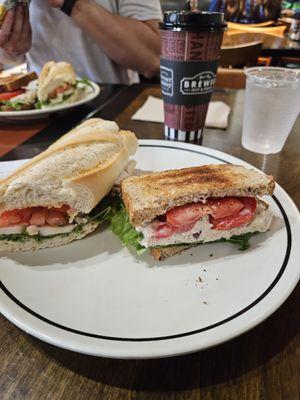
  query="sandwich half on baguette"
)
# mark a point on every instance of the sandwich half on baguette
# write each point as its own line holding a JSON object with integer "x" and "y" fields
{"x": 58, "y": 84}
{"x": 61, "y": 194}
{"x": 168, "y": 212}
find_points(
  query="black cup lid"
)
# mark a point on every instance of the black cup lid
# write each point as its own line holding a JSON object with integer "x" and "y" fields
{"x": 193, "y": 20}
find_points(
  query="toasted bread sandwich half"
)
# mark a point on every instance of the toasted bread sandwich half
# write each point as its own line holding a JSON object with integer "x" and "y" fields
{"x": 168, "y": 212}
{"x": 14, "y": 93}
{"x": 16, "y": 81}
{"x": 61, "y": 194}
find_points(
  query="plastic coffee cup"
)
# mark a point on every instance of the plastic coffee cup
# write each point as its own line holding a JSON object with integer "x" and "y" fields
{"x": 191, "y": 43}
{"x": 272, "y": 104}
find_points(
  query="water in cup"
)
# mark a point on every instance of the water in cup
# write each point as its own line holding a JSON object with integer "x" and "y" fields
{"x": 272, "y": 104}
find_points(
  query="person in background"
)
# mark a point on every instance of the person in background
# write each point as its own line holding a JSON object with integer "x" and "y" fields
{"x": 105, "y": 40}
{"x": 191, "y": 5}
{"x": 289, "y": 8}
{"x": 247, "y": 11}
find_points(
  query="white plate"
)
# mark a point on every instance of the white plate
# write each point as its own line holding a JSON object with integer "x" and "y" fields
{"x": 33, "y": 114}
{"x": 95, "y": 297}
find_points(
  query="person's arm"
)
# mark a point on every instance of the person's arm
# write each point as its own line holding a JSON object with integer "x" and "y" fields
{"x": 15, "y": 35}
{"x": 129, "y": 42}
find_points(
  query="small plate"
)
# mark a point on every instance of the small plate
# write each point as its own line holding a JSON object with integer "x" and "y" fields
{"x": 96, "y": 297}
{"x": 93, "y": 92}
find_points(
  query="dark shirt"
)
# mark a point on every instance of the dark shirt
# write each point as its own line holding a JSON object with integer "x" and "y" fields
{"x": 247, "y": 11}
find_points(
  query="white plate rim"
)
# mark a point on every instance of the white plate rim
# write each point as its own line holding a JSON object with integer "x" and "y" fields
{"x": 45, "y": 111}
{"x": 15, "y": 312}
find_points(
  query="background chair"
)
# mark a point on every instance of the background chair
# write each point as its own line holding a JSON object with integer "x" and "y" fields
{"x": 240, "y": 55}
{"x": 230, "y": 78}
{"x": 235, "y": 25}
{"x": 272, "y": 30}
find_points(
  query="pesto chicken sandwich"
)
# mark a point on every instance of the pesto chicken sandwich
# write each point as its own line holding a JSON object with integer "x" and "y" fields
{"x": 63, "y": 193}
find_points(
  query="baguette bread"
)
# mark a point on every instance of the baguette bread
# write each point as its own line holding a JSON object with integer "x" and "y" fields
{"x": 15, "y": 82}
{"x": 148, "y": 196}
{"x": 78, "y": 170}
{"x": 53, "y": 76}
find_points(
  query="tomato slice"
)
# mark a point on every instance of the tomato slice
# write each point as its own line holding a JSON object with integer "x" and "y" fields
{"x": 183, "y": 228}
{"x": 241, "y": 218}
{"x": 8, "y": 218}
{"x": 187, "y": 215}
{"x": 38, "y": 216}
{"x": 224, "y": 207}
{"x": 55, "y": 218}
{"x": 59, "y": 90}
{"x": 163, "y": 230}
{"x": 63, "y": 89}
{"x": 9, "y": 95}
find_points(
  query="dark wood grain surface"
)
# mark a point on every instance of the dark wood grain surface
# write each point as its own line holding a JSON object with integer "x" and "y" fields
{"x": 261, "y": 364}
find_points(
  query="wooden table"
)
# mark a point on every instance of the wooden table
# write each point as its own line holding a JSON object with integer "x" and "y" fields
{"x": 261, "y": 364}
{"x": 273, "y": 46}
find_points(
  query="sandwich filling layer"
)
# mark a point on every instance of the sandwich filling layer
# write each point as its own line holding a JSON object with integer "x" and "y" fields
{"x": 207, "y": 222}
{"x": 37, "y": 221}
{"x": 41, "y": 221}
{"x": 66, "y": 93}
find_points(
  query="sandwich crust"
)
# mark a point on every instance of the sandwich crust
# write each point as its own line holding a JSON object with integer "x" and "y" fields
{"x": 148, "y": 196}
{"x": 164, "y": 253}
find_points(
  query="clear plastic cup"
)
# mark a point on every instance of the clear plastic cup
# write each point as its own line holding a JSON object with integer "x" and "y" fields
{"x": 272, "y": 104}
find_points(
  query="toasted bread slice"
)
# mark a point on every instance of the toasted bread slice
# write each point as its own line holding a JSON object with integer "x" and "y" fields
{"x": 148, "y": 196}
{"x": 164, "y": 253}
{"x": 16, "y": 81}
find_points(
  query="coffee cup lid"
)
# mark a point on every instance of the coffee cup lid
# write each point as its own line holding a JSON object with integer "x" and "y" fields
{"x": 193, "y": 20}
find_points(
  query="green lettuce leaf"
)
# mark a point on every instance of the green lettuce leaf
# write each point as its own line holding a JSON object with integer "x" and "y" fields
{"x": 22, "y": 237}
{"x": 242, "y": 241}
{"x": 106, "y": 209}
{"x": 39, "y": 104}
{"x": 15, "y": 104}
{"x": 84, "y": 81}
{"x": 121, "y": 227}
